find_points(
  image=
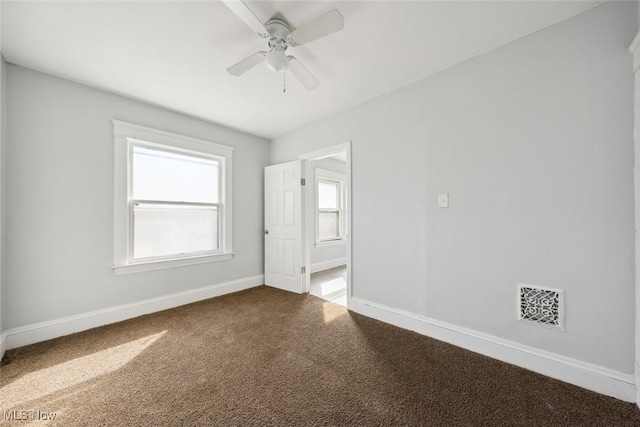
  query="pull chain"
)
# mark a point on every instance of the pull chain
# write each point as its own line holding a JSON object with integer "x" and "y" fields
{"x": 284, "y": 82}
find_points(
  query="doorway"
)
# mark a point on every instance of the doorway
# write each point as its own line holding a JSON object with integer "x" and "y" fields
{"x": 327, "y": 223}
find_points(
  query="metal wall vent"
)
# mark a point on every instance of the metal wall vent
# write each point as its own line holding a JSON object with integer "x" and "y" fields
{"x": 542, "y": 306}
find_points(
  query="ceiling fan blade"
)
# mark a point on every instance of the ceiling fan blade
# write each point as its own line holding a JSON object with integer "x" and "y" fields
{"x": 302, "y": 74}
{"x": 246, "y": 64}
{"x": 247, "y": 16}
{"x": 322, "y": 26}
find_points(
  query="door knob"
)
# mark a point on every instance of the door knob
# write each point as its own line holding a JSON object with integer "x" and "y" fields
{"x": 266, "y": 231}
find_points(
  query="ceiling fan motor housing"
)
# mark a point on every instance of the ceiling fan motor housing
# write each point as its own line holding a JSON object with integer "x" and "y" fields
{"x": 278, "y": 30}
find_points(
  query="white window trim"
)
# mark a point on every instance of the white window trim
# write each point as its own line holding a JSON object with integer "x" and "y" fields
{"x": 124, "y": 135}
{"x": 334, "y": 242}
{"x": 325, "y": 175}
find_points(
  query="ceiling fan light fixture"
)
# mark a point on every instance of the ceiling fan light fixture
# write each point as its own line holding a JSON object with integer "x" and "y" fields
{"x": 277, "y": 61}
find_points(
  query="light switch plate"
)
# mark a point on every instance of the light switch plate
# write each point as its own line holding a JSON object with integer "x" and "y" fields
{"x": 443, "y": 200}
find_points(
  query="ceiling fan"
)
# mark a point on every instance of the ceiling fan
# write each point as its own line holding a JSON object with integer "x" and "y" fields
{"x": 280, "y": 36}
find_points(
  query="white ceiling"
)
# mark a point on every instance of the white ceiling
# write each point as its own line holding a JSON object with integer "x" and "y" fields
{"x": 175, "y": 53}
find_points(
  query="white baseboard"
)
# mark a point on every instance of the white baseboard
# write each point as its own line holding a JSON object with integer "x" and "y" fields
{"x": 326, "y": 265}
{"x": 30, "y": 334}
{"x": 592, "y": 377}
{"x": 637, "y": 371}
{"x": 3, "y": 344}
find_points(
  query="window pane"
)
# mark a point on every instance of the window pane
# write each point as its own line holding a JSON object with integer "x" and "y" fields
{"x": 327, "y": 195}
{"x": 161, "y": 230}
{"x": 165, "y": 176}
{"x": 328, "y": 225}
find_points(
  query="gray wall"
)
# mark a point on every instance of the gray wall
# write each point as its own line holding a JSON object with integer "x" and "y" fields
{"x": 637, "y": 213}
{"x": 326, "y": 253}
{"x": 59, "y": 193}
{"x": 3, "y": 127}
{"x": 637, "y": 224}
{"x": 533, "y": 142}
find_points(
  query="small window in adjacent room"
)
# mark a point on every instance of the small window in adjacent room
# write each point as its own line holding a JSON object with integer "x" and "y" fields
{"x": 330, "y": 218}
{"x": 173, "y": 200}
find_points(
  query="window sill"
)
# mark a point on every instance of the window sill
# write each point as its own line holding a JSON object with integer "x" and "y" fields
{"x": 171, "y": 263}
{"x": 331, "y": 243}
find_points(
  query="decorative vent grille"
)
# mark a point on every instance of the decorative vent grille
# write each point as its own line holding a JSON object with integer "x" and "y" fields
{"x": 541, "y": 306}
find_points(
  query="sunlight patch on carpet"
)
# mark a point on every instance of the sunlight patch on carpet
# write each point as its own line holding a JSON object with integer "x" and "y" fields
{"x": 332, "y": 311}
{"x": 59, "y": 377}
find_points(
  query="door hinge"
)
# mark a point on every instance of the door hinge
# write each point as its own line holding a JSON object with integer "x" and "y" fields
{"x": 303, "y": 181}
{"x": 303, "y": 269}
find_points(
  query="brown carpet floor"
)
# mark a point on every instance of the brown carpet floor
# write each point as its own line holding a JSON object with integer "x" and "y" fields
{"x": 267, "y": 357}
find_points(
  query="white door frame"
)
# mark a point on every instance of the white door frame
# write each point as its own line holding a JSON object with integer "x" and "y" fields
{"x": 308, "y": 235}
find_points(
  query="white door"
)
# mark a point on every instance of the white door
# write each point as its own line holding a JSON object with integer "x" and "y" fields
{"x": 283, "y": 226}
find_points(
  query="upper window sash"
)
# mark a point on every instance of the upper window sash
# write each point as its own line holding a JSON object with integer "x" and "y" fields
{"x": 134, "y": 143}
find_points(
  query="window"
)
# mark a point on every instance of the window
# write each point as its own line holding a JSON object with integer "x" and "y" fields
{"x": 330, "y": 219}
{"x": 174, "y": 203}
{"x": 328, "y": 210}
{"x": 172, "y": 200}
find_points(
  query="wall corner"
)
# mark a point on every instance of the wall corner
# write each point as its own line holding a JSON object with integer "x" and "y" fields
{"x": 634, "y": 48}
